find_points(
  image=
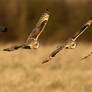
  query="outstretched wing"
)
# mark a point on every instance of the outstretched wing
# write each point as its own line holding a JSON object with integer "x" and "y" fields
{"x": 13, "y": 48}
{"x": 68, "y": 42}
{"x": 82, "y": 29}
{"x": 3, "y": 29}
{"x": 53, "y": 54}
{"x": 39, "y": 27}
{"x": 86, "y": 56}
{"x": 35, "y": 33}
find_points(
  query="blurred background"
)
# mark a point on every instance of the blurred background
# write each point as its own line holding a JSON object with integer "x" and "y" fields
{"x": 67, "y": 16}
{"x": 21, "y": 70}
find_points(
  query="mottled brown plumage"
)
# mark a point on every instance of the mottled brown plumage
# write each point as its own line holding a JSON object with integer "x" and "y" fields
{"x": 32, "y": 40}
{"x": 69, "y": 44}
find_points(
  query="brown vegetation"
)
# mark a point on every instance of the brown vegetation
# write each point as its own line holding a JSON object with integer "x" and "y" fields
{"x": 22, "y": 71}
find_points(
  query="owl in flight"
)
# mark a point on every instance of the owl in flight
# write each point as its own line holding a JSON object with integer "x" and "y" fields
{"x": 71, "y": 43}
{"x": 3, "y": 29}
{"x": 32, "y": 40}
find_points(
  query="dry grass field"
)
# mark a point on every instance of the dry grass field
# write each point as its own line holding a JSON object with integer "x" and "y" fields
{"x": 22, "y": 71}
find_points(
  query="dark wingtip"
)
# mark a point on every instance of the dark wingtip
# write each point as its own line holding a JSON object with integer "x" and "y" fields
{"x": 45, "y": 61}
{"x": 83, "y": 58}
{"x": 7, "y": 49}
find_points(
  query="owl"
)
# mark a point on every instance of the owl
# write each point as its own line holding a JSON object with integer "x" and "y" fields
{"x": 32, "y": 40}
{"x": 70, "y": 43}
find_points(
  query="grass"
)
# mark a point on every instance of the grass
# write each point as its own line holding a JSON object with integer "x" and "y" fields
{"x": 22, "y": 71}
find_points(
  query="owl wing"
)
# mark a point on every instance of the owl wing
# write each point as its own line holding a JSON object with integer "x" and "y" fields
{"x": 13, "y": 48}
{"x": 86, "y": 56}
{"x": 39, "y": 27}
{"x": 53, "y": 54}
{"x": 82, "y": 29}
{"x": 35, "y": 33}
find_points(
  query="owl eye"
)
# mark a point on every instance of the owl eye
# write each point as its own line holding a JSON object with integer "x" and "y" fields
{"x": 66, "y": 47}
{"x": 36, "y": 44}
{"x": 73, "y": 46}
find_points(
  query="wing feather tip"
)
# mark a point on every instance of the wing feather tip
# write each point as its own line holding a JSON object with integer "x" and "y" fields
{"x": 7, "y": 49}
{"x": 47, "y": 60}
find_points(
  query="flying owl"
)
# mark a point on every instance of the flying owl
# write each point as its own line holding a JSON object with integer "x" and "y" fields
{"x": 71, "y": 43}
{"x": 32, "y": 40}
{"x": 3, "y": 29}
